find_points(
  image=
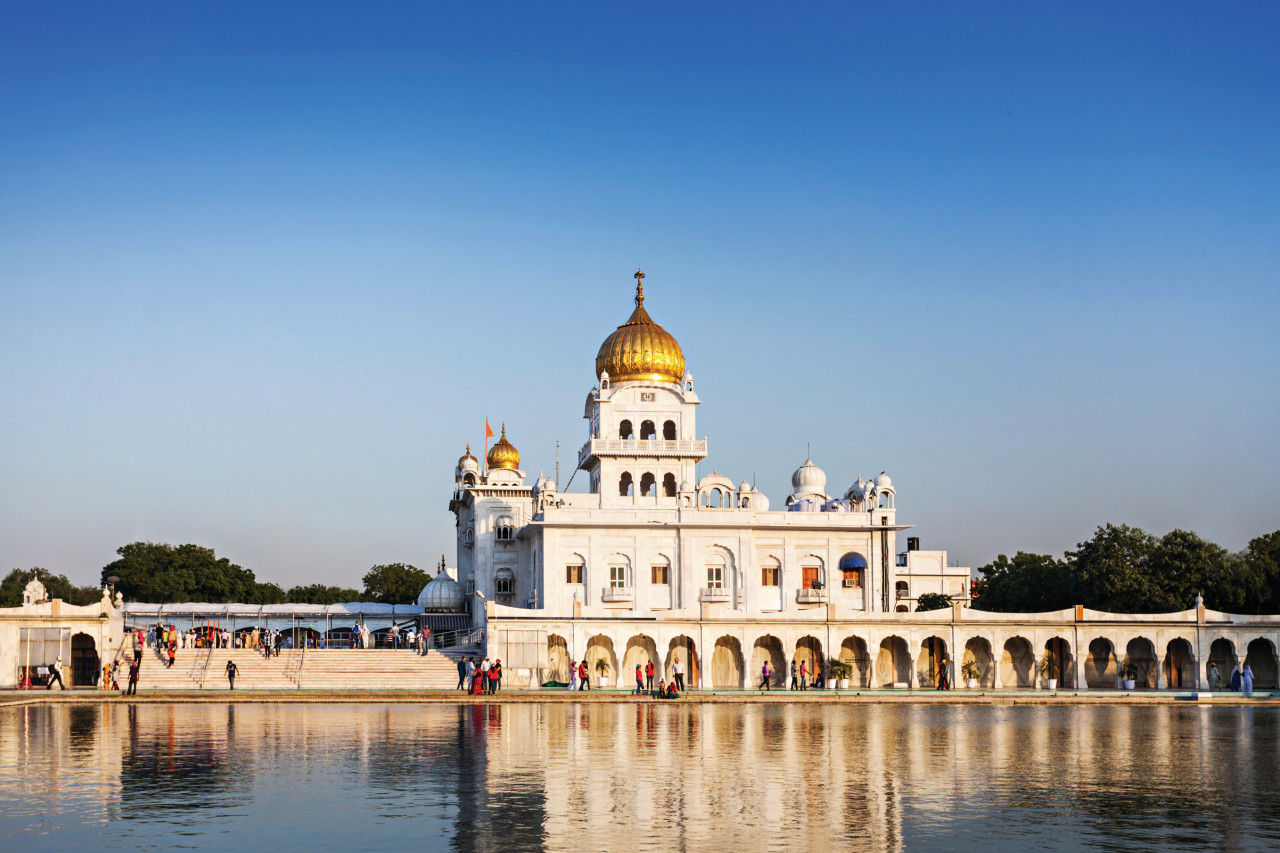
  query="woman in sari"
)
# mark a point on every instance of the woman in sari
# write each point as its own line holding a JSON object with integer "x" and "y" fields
{"x": 477, "y": 682}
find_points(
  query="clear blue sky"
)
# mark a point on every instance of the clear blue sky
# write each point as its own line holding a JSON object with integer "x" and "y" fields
{"x": 265, "y": 268}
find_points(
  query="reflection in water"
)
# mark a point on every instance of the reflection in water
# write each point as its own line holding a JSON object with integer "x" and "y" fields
{"x": 638, "y": 777}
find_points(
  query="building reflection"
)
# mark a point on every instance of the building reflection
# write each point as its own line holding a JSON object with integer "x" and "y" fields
{"x": 657, "y": 776}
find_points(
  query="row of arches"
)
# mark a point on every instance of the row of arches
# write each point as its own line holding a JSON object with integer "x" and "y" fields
{"x": 895, "y": 662}
{"x": 648, "y": 430}
{"x": 648, "y": 485}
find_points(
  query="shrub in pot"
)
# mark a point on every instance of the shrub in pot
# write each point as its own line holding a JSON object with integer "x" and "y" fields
{"x": 971, "y": 672}
{"x": 1049, "y": 670}
{"x": 602, "y": 673}
{"x": 1128, "y": 674}
{"x": 839, "y": 672}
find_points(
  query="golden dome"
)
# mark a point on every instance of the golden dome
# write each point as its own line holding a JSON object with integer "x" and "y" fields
{"x": 641, "y": 350}
{"x": 504, "y": 453}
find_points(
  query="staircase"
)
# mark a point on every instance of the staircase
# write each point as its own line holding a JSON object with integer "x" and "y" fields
{"x": 306, "y": 669}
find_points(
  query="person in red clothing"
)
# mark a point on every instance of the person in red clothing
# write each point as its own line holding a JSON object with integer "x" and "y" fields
{"x": 493, "y": 677}
{"x": 648, "y": 676}
{"x": 639, "y": 681}
{"x": 804, "y": 676}
{"x": 584, "y": 674}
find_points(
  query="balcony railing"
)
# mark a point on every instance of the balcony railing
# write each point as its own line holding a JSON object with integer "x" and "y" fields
{"x": 617, "y": 593}
{"x": 811, "y": 596}
{"x": 657, "y": 447}
{"x": 716, "y": 593}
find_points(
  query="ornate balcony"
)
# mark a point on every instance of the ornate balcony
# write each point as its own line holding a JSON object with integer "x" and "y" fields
{"x": 811, "y": 596}
{"x": 614, "y": 594}
{"x": 654, "y": 447}
{"x": 716, "y": 593}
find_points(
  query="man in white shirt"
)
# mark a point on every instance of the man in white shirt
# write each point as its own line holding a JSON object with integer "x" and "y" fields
{"x": 55, "y": 674}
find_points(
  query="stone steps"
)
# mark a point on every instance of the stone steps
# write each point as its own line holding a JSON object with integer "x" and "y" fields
{"x": 321, "y": 669}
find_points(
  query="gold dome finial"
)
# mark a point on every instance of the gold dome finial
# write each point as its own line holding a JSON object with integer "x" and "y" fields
{"x": 641, "y": 350}
{"x": 504, "y": 453}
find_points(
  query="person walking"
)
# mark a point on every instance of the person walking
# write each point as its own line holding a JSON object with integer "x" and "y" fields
{"x": 677, "y": 674}
{"x": 232, "y": 671}
{"x": 497, "y": 675}
{"x": 584, "y": 676}
{"x": 173, "y": 652}
{"x": 944, "y": 676}
{"x": 573, "y": 675}
{"x": 425, "y": 638}
{"x": 484, "y": 675}
{"x": 462, "y": 673}
{"x": 795, "y": 675}
{"x": 1235, "y": 678}
{"x": 648, "y": 676}
{"x": 1215, "y": 677}
{"x": 55, "y": 674}
{"x": 1246, "y": 678}
{"x": 804, "y": 675}
{"x": 639, "y": 680}
{"x": 115, "y": 674}
{"x": 765, "y": 672}
{"x": 135, "y": 666}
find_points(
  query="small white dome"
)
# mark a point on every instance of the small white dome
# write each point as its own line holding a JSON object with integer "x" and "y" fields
{"x": 686, "y": 486}
{"x": 745, "y": 487}
{"x": 883, "y": 481}
{"x": 443, "y": 593}
{"x": 808, "y": 478}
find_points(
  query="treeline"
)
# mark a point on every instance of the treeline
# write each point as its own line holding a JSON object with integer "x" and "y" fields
{"x": 158, "y": 573}
{"x": 1123, "y": 569}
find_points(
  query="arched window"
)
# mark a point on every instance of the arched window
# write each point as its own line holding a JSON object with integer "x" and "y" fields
{"x": 624, "y": 485}
{"x": 468, "y": 479}
{"x": 669, "y": 430}
{"x": 624, "y": 430}
{"x": 504, "y": 582}
{"x": 715, "y": 571}
{"x": 660, "y": 571}
{"x": 852, "y": 567}
{"x": 715, "y": 498}
{"x": 811, "y": 575}
{"x": 647, "y": 482}
{"x": 669, "y": 485}
{"x": 619, "y": 572}
{"x": 575, "y": 570}
{"x": 506, "y": 529}
{"x": 647, "y": 431}
{"x": 900, "y": 589}
{"x": 771, "y": 572}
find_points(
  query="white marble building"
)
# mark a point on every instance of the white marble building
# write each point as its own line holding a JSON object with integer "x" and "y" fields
{"x": 654, "y": 562}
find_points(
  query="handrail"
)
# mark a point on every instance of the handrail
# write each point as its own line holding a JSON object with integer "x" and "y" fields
{"x": 204, "y": 669}
{"x": 302, "y": 659}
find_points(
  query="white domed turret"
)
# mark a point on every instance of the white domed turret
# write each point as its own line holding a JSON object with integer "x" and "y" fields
{"x": 443, "y": 594}
{"x": 883, "y": 481}
{"x": 808, "y": 479}
{"x": 468, "y": 470}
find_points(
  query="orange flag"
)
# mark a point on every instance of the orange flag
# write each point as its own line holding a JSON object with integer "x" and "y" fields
{"x": 488, "y": 430}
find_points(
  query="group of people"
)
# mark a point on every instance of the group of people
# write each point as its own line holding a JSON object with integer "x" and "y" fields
{"x": 1241, "y": 680}
{"x": 580, "y": 678}
{"x": 480, "y": 679}
{"x": 644, "y": 682}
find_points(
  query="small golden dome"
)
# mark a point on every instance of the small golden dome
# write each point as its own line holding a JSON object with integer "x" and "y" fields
{"x": 641, "y": 350}
{"x": 504, "y": 453}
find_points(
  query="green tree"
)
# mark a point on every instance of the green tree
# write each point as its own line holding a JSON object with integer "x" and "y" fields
{"x": 55, "y": 586}
{"x": 1113, "y": 571}
{"x": 268, "y": 593}
{"x": 1028, "y": 583}
{"x": 1257, "y": 570}
{"x": 317, "y": 593}
{"x": 933, "y": 601}
{"x": 1183, "y": 565}
{"x": 162, "y": 574}
{"x": 395, "y": 583}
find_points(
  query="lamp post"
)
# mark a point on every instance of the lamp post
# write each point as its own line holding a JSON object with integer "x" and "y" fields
{"x": 113, "y": 580}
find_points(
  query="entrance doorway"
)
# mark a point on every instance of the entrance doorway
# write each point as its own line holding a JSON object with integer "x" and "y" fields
{"x": 85, "y": 669}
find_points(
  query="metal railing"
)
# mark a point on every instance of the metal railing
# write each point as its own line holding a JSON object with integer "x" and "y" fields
{"x": 641, "y": 447}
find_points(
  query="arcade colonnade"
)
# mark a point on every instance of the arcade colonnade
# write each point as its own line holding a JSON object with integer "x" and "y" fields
{"x": 1077, "y": 648}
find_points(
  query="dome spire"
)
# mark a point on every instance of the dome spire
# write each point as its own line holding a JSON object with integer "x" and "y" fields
{"x": 639, "y": 277}
{"x": 640, "y": 350}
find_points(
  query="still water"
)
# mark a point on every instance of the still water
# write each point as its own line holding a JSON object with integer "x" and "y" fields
{"x": 638, "y": 777}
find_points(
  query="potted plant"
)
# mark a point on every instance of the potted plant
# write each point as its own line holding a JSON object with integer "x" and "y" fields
{"x": 602, "y": 672}
{"x": 971, "y": 672}
{"x": 1128, "y": 674}
{"x": 1049, "y": 670}
{"x": 840, "y": 673}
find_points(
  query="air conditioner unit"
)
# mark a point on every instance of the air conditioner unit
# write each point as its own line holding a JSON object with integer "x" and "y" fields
{"x": 850, "y": 582}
